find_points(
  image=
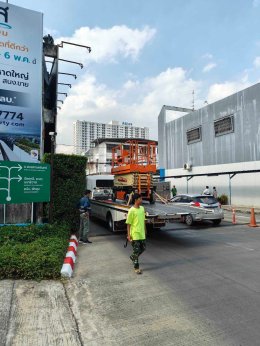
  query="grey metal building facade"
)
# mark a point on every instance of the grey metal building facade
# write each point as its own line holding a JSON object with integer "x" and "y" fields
{"x": 223, "y": 137}
{"x": 227, "y": 131}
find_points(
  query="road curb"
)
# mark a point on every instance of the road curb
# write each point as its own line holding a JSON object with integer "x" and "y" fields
{"x": 70, "y": 258}
{"x": 243, "y": 210}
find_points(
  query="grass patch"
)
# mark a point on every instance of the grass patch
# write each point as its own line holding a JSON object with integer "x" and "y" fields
{"x": 32, "y": 252}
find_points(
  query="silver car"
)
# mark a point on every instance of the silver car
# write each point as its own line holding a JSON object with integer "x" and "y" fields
{"x": 200, "y": 207}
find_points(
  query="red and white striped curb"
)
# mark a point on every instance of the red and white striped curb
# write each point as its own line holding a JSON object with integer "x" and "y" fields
{"x": 70, "y": 258}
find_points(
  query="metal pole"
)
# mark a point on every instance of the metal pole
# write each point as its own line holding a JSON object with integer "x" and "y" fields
{"x": 32, "y": 213}
{"x": 187, "y": 185}
{"x": 51, "y": 182}
{"x": 4, "y": 212}
{"x": 229, "y": 189}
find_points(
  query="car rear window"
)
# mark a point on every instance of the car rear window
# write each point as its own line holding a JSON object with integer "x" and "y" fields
{"x": 206, "y": 199}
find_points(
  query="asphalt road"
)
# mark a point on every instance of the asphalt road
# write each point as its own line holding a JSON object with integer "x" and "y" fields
{"x": 200, "y": 286}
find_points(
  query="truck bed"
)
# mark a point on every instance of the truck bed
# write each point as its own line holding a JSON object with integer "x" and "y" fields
{"x": 157, "y": 210}
{"x": 157, "y": 215}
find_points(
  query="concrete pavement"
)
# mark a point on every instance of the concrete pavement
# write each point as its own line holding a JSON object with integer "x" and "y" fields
{"x": 200, "y": 286}
{"x": 105, "y": 303}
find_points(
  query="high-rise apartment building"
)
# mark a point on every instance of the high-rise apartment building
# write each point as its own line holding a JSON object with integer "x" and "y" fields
{"x": 85, "y": 132}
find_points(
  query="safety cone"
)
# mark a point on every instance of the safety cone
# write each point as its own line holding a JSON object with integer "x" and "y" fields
{"x": 234, "y": 216}
{"x": 252, "y": 219}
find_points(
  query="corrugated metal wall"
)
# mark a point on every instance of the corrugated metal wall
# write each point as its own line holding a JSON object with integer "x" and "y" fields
{"x": 239, "y": 146}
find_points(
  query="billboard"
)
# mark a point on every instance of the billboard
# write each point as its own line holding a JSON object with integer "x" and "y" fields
{"x": 20, "y": 83}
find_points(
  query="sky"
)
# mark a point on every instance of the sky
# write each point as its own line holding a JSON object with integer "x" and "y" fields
{"x": 149, "y": 53}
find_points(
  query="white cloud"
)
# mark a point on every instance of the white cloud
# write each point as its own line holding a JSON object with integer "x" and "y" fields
{"x": 257, "y": 62}
{"x": 107, "y": 45}
{"x": 137, "y": 101}
{"x": 209, "y": 67}
{"x": 220, "y": 90}
{"x": 207, "y": 56}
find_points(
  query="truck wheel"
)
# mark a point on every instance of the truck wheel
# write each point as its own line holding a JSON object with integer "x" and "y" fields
{"x": 149, "y": 227}
{"x": 216, "y": 222}
{"x": 110, "y": 223}
{"x": 189, "y": 220}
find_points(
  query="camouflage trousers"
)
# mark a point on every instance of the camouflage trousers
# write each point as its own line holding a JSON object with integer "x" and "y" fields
{"x": 84, "y": 226}
{"x": 139, "y": 247}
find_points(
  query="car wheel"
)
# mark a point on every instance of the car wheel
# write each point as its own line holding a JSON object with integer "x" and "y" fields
{"x": 216, "y": 222}
{"x": 189, "y": 220}
{"x": 110, "y": 223}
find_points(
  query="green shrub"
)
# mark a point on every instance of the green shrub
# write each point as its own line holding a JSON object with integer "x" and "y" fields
{"x": 223, "y": 199}
{"x": 32, "y": 252}
{"x": 69, "y": 182}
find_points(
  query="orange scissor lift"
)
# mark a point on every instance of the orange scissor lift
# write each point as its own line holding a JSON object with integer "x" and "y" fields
{"x": 133, "y": 165}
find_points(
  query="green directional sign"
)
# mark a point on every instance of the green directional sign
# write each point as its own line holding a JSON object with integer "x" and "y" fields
{"x": 23, "y": 182}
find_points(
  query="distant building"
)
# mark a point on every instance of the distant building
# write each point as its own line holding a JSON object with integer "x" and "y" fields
{"x": 85, "y": 132}
{"x": 100, "y": 156}
{"x": 217, "y": 145}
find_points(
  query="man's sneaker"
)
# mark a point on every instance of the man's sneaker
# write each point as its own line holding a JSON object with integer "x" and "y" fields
{"x": 138, "y": 271}
{"x": 80, "y": 241}
{"x": 88, "y": 241}
{"x": 84, "y": 242}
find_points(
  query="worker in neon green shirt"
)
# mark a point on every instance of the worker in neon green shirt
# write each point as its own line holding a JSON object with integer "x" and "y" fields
{"x": 136, "y": 230}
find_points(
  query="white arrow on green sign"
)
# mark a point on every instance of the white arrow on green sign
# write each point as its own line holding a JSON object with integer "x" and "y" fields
{"x": 23, "y": 182}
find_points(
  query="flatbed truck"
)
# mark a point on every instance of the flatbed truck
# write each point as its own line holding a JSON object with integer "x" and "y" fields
{"x": 114, "y": 214}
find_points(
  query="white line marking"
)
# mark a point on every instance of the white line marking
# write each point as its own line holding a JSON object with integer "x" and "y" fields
{"x": 239, "y": 246}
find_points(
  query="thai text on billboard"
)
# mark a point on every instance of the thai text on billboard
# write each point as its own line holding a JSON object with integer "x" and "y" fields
{"x": 20, "y": 83}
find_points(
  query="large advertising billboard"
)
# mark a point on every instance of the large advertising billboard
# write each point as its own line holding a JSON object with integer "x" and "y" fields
{"x": 20, "y": 83}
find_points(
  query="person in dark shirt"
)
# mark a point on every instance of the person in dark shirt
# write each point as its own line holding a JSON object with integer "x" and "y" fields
{"x": 174, "y": 191}
{"x": 84, "y": 209}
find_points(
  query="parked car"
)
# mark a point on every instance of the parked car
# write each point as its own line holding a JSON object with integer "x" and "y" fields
{"x": 102, "y": 194}
{"x": 206, "y": 207}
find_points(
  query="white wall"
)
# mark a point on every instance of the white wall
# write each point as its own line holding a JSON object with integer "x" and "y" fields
{"x": 245, "y": 188}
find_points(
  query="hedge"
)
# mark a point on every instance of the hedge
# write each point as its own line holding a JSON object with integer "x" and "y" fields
{"x": 223, "y": 199}
{"x": 32, "y": 252}
{"x": 68, "y": 183}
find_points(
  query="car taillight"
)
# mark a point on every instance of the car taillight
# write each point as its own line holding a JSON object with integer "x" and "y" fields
{"x": 195, "y": 204}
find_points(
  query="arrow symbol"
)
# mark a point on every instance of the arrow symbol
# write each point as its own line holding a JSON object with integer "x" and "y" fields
{"x": 19, "y": 178}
